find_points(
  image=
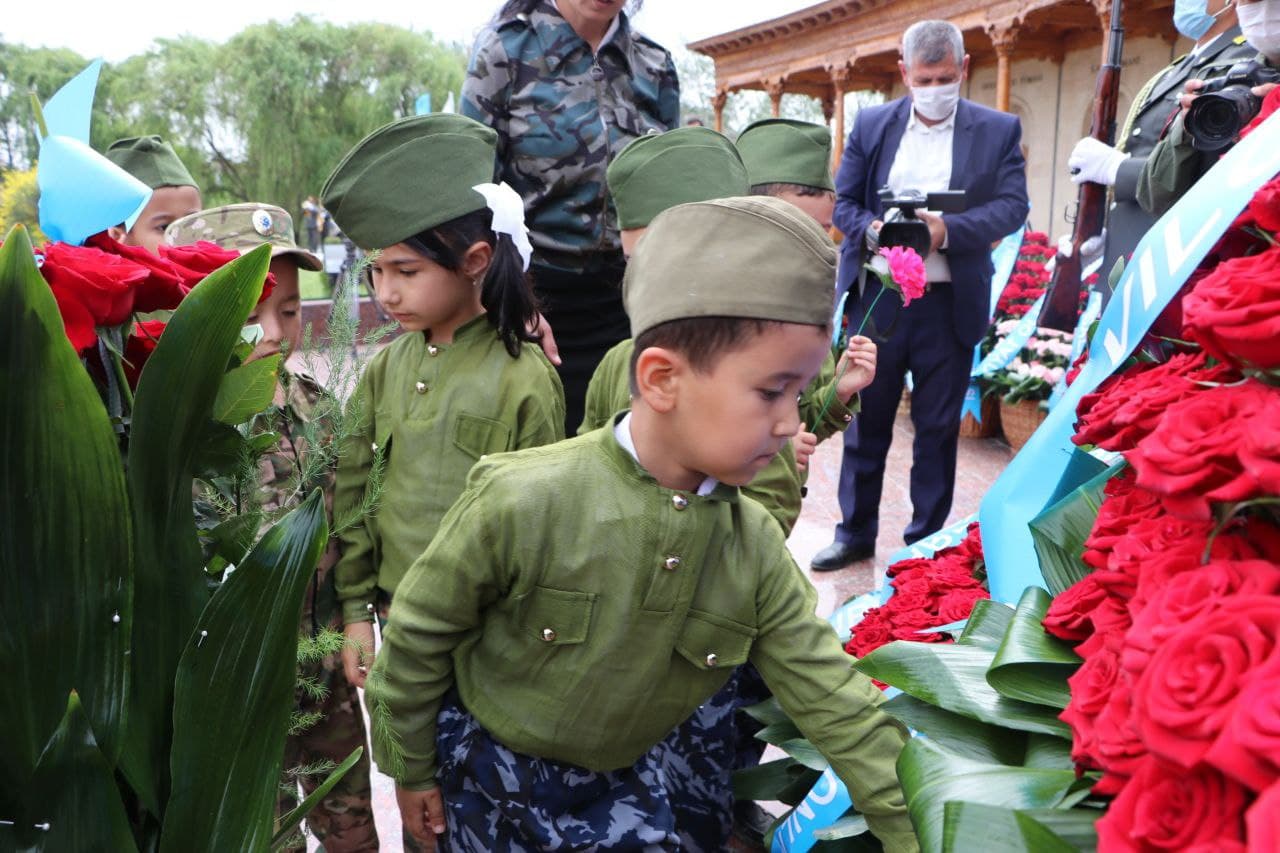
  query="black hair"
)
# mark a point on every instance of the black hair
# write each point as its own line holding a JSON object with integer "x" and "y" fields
{"x": 512, "y": 8}
{"x": 702, "y": 340}
{"x": 505, "y": 292}
{"x": 777, "y": 188}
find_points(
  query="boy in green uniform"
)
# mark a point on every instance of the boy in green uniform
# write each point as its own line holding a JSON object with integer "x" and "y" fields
{"x": 174, "y": 193}
{"x": 343, "y": 821}
{"x": 791, "y": 160}
{"x": 582, "y": 599}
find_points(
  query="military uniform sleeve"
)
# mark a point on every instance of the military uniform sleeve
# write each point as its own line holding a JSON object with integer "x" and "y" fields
{"x": 486, "y": 91}
{"x": 356, "y": 576}
{"x": 541, "y": 414}
{"x": 669, "y": 95}
{"x": 835, "y": 706}
{"x": 838, "y": 415}
{"x": 441, "y": 598}
{"x": 1171, "y": 169}
{"x": 609, "y": 391}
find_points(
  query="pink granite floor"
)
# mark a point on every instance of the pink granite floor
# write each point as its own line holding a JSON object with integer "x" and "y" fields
{"x": 980, "y": 462}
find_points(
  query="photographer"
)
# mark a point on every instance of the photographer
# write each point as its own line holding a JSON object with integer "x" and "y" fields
{"x": 930, "y": 141}
{"x": 1212, "y": 25}
{"x": 1178, "y": 161}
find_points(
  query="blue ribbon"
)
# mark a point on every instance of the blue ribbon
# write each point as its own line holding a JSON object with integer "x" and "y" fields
{"x": 1163, "y": 261}
{"x": 1007, "y": 349}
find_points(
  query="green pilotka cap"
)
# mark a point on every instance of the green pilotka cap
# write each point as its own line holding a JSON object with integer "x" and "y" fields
{"x": 757, "y": 257}
{"x": 661, "y": 170}
{"x": 410, "y": 175}
{"x": 241, "y": 227}
{"x": 151, "y": 160}
{"x": 784, "y": 151}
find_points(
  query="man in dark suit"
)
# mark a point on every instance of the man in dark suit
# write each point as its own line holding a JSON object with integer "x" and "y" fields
{"x": 1218, "y": 45}
{"x": 930, "y": 140}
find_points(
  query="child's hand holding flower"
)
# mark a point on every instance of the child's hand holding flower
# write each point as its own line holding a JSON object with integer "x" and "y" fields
{"x": 856, "y": 368}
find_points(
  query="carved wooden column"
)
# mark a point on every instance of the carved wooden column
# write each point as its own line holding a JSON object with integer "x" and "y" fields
{"x": 1003, "y": 38}
{"x": 775, "y": 88}
{"x": 841, "y": 77}
{"x": 718, "y": 101}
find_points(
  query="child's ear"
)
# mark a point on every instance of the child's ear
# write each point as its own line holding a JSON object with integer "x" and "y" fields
{"x": 659, "y": 372}
{"x": 117, "y": 233}
{"x": 476, "y": 260}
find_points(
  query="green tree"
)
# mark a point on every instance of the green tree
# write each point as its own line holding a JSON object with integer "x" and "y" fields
{"x": 18, "y": 199}
{"x": 23, "y": 70}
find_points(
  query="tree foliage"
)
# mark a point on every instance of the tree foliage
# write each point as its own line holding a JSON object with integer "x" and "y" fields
{"x": 264, "y": 116}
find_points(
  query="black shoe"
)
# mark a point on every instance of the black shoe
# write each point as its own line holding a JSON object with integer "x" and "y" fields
{"x": 837, "y": 555}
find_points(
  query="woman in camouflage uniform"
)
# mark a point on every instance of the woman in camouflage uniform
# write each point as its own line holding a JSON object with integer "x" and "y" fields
{"x": 567, "y": 84}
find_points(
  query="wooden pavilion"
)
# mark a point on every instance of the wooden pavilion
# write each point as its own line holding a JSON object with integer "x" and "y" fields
{"x": 1036, "y": 58}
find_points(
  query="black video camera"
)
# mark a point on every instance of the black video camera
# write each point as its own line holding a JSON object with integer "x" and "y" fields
{"x": 1225, "y": 104}
{"x": 904, "y": 228}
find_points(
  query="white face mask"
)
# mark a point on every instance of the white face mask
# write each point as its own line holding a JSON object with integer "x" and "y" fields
{"x": 936, "y": 102}
{"x": 1260, "y": 24}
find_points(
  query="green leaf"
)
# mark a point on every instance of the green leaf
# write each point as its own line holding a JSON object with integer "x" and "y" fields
{"x": 767, "y": 713}
{"x": 932, "y": 777}
{"x": 993, "y": 829}
{"x": 65, "y": 556}
{"x": 806, "y": 753}
{"x": 263, "y": 441}
{"x": 778, "y": 733}
{"x": 233, "y": 538}
{"x": 846, "y": 827}
{"x": 226, "y": 767}
{"x": 289, "y": 823}
{"x": 74, "y": 793}
{"x": 986, "y": 626}
{"x": 1048, "y": 753}
{"x": 960, "y": 735}
{"x": 1059, "y": 532}
{"x": 1031, "y": 665}
{"x": 784, "y": 780}
{"x": 247, "y": 390}
{"x": 222, "y": 452}
{"x": 173, "y": 403}
{"x": 954, "y": 677}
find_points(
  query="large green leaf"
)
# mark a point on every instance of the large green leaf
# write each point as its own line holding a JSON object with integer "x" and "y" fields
{"x": 246, "y": 390}
{"x": 65, "y": 576}
{"x": 1031, "y": 665}
{"x": 932, "y": 777}
{"x": 806, "y": 753}
{"x": 74, "y": 803}
{"x": 994, "y": 829}
{"x": 173, "y": 403}
{"x": 986, "y": 625}
{"x": 234, "y": 693}
{"x": 290, "y": 822}
{"x": 1060, "y": 530}
{"x": 961, "y": 735}
{"x": 954, "y": 677}
{"x": 785, "y": 780}
{"x": 768, "y": 712}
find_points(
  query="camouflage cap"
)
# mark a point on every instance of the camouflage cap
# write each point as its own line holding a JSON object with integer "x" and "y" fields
{"x": 783, "y": 151}
{"x": 410, "y": 175}
{"x": 661, "y": 170}
{"x": 242, "y": 227}
{"x": 757, "y": 257}
{"x": 151, "y": 160}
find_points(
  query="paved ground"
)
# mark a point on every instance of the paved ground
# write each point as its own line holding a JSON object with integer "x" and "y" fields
{"x": 981, "y": 461}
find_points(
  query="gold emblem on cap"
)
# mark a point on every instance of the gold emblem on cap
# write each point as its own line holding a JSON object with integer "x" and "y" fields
{"x": 262, "y": 221}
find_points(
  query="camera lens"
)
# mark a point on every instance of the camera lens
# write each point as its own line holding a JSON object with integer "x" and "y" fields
{"x": 1214, "y": 120}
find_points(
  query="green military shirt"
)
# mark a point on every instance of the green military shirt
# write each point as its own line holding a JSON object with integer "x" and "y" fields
{"x": 778, "y": 485}
{"x": 583, "y": 611}
{"x": 432, "y": 410}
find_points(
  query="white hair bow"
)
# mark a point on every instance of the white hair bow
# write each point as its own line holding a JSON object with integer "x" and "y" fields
{"x": 508, "y": 216}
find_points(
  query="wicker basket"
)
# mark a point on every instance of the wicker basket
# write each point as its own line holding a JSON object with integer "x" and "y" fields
{"x": 990, "y": 425}
{"x": 1019, "y": 420}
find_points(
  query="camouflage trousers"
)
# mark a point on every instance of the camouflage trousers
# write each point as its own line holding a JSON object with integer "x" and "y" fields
{"x": 499, "y": 799}
{"x": 343, "y": 821}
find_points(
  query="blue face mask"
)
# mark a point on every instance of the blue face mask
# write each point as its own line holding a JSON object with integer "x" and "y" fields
{"x": 1192, "y": 18}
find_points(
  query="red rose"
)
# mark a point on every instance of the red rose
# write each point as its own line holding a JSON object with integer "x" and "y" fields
{"x": 912, "y": 610}
{"x": 1264, "y": 207}
{"x": 162, "y": 290}
{"x": 1191, "y": 686}
{"x": 92, "y": 288}
{"x": 1178, "y": 546}
{"x": 1263, "y": 821}
{"x": 952, "y": 575}
{"x": 1195, "y": 457}
{"x": 195, "y": 261}
{"x": 910, "y": 564}
{"x": 1234, "y": 312}
{"x": 1070, "y": 615}
{"x": 1166, "y": 808}
{"x": 1124, "y": 507}
{"x": 1128, "y": 406}
{"x": 1092, "y": 686}
{"x": 138, "y": 348}
{"x": 957, "y": 604}
{"x": 1270, "y": 104}
{"x": 912, "y": 584}
{"x": 1117, "y": 747}
{"x": 1248, "y": 747}
{"x": 870, "y": 633}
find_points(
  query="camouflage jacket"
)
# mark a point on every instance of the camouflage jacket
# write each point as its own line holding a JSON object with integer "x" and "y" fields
{"x": 561, "y": 112}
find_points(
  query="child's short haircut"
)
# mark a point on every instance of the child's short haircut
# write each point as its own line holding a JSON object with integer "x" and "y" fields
{"x": 777, "y": 188}
{"x": 701, "y": 340}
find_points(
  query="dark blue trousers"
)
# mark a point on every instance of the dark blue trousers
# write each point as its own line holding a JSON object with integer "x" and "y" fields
{"x": 922, "y": 340}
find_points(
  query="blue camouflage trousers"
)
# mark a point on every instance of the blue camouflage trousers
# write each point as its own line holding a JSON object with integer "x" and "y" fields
{"x": 499, "y": 799}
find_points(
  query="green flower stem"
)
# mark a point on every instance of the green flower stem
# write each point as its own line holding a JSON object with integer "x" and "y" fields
{"x": 123, "y": 381}
{"x": 831, "y": 395}
{"x": 35, "y": 108}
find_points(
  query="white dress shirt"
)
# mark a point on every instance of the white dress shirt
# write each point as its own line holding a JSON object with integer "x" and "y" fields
{"x": 923, "y": 163}
{"x": 622, "y": 432}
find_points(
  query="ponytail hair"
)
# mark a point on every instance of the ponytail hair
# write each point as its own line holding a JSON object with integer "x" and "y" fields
{"x": 505, "y": 291}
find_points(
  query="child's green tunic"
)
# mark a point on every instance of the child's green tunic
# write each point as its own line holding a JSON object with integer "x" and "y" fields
{"x": 432, "y": 411}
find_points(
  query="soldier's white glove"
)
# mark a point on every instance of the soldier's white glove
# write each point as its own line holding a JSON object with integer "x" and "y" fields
{"x": 1089, "y": 249}
{"x": 1094, "y": 161}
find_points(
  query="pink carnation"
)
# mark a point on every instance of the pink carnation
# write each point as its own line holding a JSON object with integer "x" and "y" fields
{"x": 907, "y": 269}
